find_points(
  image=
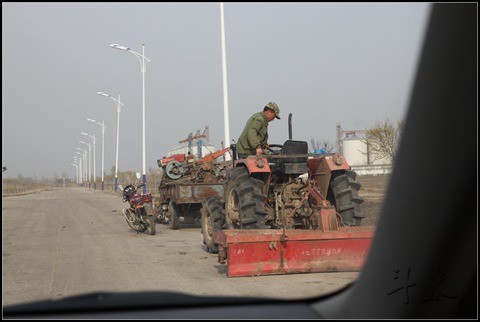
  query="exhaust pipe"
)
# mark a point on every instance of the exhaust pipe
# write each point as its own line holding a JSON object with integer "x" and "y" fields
{"x": 290, "y": 126}
{"x": 233, "y": 148}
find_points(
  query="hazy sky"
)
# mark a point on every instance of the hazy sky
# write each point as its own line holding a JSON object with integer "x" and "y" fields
{"x": 326, "y": 63}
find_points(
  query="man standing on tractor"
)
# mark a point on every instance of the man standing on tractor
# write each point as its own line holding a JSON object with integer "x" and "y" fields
{"x": 254, "y": 136}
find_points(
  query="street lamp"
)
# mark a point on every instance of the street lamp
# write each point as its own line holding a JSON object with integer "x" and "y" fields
{"x": 102, "y": 125}
{"x": 76, "y": 170}
{"x": 89, "y": 162}
{"x": 143, "y": 62}
{"x": 119, "y": 106}
{"x": 84, "y": 162}
{"x": 79, "y": 161}
{"x": 94, "y": 160}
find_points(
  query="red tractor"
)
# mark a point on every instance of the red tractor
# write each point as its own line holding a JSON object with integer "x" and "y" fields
{"x": 288, "y": 191}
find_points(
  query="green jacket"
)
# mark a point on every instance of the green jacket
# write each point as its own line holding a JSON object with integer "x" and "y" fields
{"x": 254, "y": 135}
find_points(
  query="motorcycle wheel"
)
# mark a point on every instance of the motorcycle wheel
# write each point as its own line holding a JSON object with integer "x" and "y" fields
{"x": 133, "y": 221}
{"x": 150, "y": 219}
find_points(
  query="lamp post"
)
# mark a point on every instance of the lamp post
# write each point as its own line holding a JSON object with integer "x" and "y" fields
{"x": 225, "y": 91}
{"x": 143, "y": 62}
{"x": 84, "y": 163}
{"x": 89, "y": 162}
{"x": 79, "y": 161}
{"x": 119, "y": 106}
{"x": 94, "y": 160}
{"x": 102, "y": 125}
{"x": 85, "y": 166}
{"x": 81, "y": 165}
{"x": 76, "y": 170}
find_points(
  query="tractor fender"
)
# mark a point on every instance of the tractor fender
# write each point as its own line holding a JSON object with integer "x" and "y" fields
{"x": 321, "y": 169}
{"x": 332, "y": 163}
{"x": 337, "y": 162}
{"x": 254, "y": 165}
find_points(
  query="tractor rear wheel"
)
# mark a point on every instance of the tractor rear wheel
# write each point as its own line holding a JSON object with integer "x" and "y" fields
{"x": 244, "y": 203}
{"x": 343, "y": 194}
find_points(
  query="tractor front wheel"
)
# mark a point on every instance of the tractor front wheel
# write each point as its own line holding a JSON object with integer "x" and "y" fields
{"x": 244, "y": 204}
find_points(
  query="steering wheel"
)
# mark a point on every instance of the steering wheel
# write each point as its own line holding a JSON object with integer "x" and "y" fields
{"x": 275, "y": 148}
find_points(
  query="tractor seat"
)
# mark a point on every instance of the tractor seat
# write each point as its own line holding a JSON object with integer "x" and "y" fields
{"x": 294, "y": 165}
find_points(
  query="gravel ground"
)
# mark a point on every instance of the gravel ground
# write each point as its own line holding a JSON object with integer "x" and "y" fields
{"x": 372, "y": 190}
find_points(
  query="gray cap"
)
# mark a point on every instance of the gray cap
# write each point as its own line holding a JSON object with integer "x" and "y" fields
{"x": 274, "y": 108}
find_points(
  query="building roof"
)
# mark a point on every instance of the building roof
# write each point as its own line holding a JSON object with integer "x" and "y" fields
{"x": 352, "y": 137}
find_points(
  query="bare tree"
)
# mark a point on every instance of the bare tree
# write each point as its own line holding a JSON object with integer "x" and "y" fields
{"x": 317, "y": 145}
{"x": 382, "y": 140}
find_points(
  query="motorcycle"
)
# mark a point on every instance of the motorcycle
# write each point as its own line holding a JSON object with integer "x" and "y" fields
{"x": 140, "y": 215}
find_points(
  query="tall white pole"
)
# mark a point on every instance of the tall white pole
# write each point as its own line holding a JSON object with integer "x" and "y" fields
{"x": 118, "y": 134}
{"x": 89, "y": 164}
{"x": 89, "y": 160}
{"x": 143, "y": 82}
{"x": 76, "y": 170}
{"x": 94, "y": 161}
{"x": 103, "y": 152}
{"x": 85, "y": 166}
{"x": 94, "y": 139}
{"x": 143, "y": 60}
{"x": 225, "y": 91}
{"x": 79, "y": 171}
{"x": 78, "y": 177}
{"x": 119, "y": 104}
{"x": 79, "y": 160}
{"x": 86, "y": 170}
{"x": 103, "y": 148}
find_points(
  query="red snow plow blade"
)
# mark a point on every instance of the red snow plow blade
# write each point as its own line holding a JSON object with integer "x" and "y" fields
{"x": 253, "y": 252}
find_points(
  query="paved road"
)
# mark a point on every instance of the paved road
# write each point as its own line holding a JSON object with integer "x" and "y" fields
{"x": 70, "y": 241}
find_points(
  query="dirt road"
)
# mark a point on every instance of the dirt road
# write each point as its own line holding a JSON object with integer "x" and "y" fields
{"x": 71, "y": 241}
{"x": 372, "y": 190}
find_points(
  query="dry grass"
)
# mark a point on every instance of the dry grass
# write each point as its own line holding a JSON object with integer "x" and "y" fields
{"x": 17, "y": 186}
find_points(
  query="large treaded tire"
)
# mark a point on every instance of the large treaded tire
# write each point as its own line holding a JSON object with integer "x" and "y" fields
{"x": 213, "y": 218}
{"x": 244, "y": 201}
{"x": 343, "y": 194}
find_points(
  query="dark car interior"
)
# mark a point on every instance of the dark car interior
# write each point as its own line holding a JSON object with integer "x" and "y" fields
{"x": 423, "y": 262}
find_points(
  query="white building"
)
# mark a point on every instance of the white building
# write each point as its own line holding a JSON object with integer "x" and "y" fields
{"x": 357, "y": 154}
